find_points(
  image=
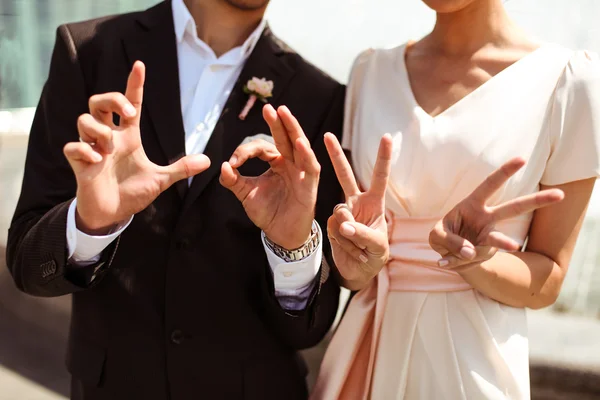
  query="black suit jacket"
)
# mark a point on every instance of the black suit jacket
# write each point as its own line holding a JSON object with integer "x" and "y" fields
{"x": 182, "y": 305}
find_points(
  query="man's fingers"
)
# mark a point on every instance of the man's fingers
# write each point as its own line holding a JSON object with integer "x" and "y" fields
{"x": 496, "y": 179}
{"x": 445, "y": 242}
{"x": 231, "y": 179}
{"x": 280, "y": 136}
{"x": 256, "y": 149}
{"x": 364, "y": 237}
{"x": 342, "y": 167}
{"x": 102, "y": 107}
{"x": 292, "y": 126}
{"x": 333, "y": 231}
{"x": 526, "y": 204}
{"x": 306, "y": 159}
{"x": 383, "y": 165}
{"x": 185, "y": 167}
{"x": 92, "y": 131}
{"x": 135, "y": 92}
{"x": 81, "y": 152}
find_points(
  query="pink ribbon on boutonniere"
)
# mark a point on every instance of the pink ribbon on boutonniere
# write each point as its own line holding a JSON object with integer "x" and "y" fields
{"x": 256, "y": 88}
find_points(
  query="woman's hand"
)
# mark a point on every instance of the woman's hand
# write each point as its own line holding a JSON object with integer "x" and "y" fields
{"x": 466, "y": 236}
{"x": 357, "y": 229}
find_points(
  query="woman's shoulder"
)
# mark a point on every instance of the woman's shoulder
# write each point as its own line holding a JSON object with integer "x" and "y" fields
{"x": 376, "y": 61}
{"x": 583, "y": 70}
{"x": 380, "y": 55}
{"x": 575, "y": 131}
{"x": 579, "y": 67}
{"x": 578, "y": 85}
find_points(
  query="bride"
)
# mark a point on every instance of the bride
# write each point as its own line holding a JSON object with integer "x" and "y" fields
{"x": 445, "y": 265}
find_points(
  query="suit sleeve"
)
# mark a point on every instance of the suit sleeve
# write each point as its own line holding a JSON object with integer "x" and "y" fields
{"x": 37, "y": 244}
{"x": 306, "y": 328}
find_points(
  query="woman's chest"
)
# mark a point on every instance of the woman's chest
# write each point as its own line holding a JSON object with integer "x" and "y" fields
{"x": 439, "y": 160}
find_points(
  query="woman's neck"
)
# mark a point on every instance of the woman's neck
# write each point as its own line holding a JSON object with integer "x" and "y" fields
{"x": 464, "y": 32}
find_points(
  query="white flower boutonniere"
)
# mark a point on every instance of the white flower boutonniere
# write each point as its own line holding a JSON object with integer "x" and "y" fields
{"x": 260, "y": 89}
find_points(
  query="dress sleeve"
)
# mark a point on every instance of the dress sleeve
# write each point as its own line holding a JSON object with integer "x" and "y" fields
{"x": 352, "y": 96}
{"x": 575, "y": 124}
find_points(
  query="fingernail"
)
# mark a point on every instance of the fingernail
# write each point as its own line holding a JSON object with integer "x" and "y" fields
{"x": 443, "y": 263}
{"x": 363, "y": 258}
{"x": 467, "y": 252}
{"x": 129, "y": 111}
{"x": 96, "y": 157}
{"x": 233, "y": 160}
{"x": 347, "y": 229}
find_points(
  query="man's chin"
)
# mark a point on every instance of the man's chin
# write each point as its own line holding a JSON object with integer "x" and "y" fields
{"x": 248, "y": 5}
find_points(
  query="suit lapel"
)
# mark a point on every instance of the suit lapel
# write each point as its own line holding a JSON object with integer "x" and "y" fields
{"x": 265, "y": 61}
{"x": 155, "y": 44}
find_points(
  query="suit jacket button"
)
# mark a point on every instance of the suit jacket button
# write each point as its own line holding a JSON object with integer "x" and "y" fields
{"x": 177, "y": 336}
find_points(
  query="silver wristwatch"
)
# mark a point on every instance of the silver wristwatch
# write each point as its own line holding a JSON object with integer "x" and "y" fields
{"x": 297, "y": 254}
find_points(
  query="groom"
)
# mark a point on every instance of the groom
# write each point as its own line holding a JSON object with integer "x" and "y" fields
{"x": 176, "y": 292}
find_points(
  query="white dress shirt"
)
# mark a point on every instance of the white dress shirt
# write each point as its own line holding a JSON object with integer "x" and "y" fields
{"x": 206, "y": 82}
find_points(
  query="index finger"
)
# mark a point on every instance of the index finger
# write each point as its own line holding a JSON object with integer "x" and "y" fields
{"x": 257, "y": 148}
{"x": 495, "y": 180}
{"x": 342, "y": 168}
{"x": 526, "y": 204}
{"x": 135, "y": 90}
{"x": 102, "y": 106}
{"x": 383, "y": 165}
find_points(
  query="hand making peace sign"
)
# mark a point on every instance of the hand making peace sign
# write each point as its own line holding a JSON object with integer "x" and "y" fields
{"x": 467, "y": 236}
{"x": 357, "y": 229}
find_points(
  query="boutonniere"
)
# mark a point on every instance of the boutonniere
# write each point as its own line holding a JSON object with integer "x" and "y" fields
{"x": 256, "y": 88}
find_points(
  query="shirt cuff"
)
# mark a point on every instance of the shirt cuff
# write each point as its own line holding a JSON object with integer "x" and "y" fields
{"x": 84, "y": 249}
{"x": 295, "y": 280}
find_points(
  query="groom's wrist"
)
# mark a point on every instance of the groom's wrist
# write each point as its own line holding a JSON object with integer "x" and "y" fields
{"x": 297, "y": 253}
{"x": 292, "y": 237}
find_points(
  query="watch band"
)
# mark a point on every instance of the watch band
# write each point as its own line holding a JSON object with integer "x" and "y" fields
{"x": 296, "y": 254}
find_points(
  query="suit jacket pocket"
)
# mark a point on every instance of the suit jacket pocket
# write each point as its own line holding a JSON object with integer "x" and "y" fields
{"x": 86, "y": 361}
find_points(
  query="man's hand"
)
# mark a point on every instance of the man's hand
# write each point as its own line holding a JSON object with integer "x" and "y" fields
{"x": 358, "y": 229}
{"x": 466, "y": 236}
{"x": 281, "y": 201}
{"x": 115, "y": 178}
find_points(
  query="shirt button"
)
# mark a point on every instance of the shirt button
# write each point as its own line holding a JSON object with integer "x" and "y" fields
{"x": 287, "y": 274}
{"x": 177, "y": 336}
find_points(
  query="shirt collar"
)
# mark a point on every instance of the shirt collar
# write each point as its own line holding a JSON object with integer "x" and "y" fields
{"x": 184, "y": 23}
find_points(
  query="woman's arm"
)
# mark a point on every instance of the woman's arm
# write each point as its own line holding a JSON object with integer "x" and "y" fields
{"x": 533, "y": 278}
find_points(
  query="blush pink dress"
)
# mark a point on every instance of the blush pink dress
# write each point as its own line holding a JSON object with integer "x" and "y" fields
{"x": 419, "y": 331}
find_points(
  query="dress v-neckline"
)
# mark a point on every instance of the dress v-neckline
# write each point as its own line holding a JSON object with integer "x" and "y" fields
{"x": 415, "y": 104}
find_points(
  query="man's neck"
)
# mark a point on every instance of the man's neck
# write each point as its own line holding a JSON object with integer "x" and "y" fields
{"x": 222, "y": 26}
